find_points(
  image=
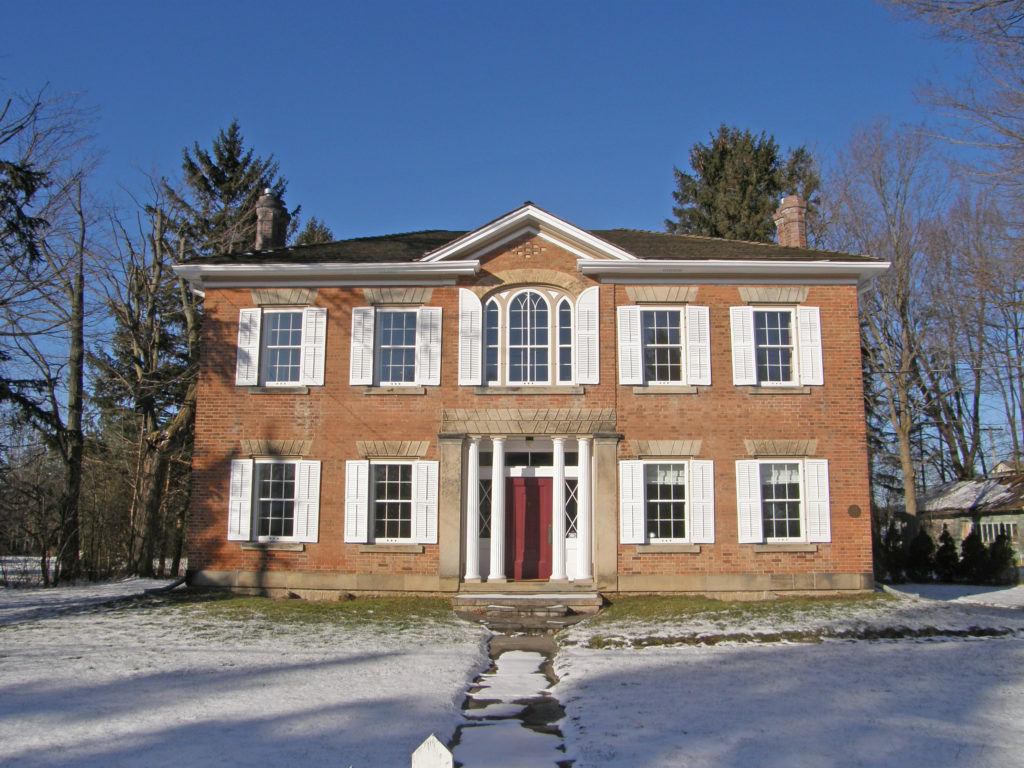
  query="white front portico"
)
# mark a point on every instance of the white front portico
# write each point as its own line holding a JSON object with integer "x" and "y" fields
{"x": 527, "y": 511}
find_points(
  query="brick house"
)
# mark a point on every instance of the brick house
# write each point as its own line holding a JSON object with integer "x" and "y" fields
{"x": 531, "y": 405}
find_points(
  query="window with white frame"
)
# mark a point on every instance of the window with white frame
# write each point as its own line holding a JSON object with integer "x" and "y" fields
{"x": 776, "y": 346}
{"x": 664, "y": 345}
{"x": 391, "y": 502}
{"x": 274, "y": 500}
{"x": 783, "y": 501}
{"x": 528, "y": 336}
{"x": 281, "y": 347}
{"x": 666, "y": 502}
{"x": 991, "y": 531}
{"x": 395, "y": 346}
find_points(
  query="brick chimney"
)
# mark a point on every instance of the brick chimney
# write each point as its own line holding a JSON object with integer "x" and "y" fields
{"x": 271, "y": 222}
{"x": 791, "y": 221}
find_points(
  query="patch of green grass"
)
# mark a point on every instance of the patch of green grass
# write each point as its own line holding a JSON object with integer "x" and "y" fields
{"x": 390, "y": 610}
{"x": 661, "y": 607}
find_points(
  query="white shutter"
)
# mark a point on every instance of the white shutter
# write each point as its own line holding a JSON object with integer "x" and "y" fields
{"x": 631, "y": 502}
{"x": 247, "y": 363}
{"x": 808, "y": 321}
{"x": 424, "y": 502}
{"x": 588, "y": 337}
{"x": 240, "y": 500}
{"x": 470, "y": 337}
{"x": 357, "y": 501}
{"x": 314, "y": 345}
{"x": 748, "y": 502}
{"x": 361, "y": 361}
{"x": 698, "y": 346}
{"x": 307, "y": 501}
{"x": 744, "y": 369}
{"x": 631, "y": 370}
{"x": 702, "y": 502}
{"x": 428, "y": 346}
{"x": 819, "y": 527}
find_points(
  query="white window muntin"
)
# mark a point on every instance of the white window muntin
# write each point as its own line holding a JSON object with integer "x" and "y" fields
{"x": 395, "y": 346}
{"x": 497, "y": 359}
{"x": 281, "y": 347}
{"x": 565, "y": 350}
{"x": 387, "y": 519}
{"x": 528, "y": 338}
{"x": 274, "y": 496}
{"x": 780, "y": 511}
{"x": 773, "y": 349}
{"x": 666, "y": 495}
{"x": 656, "y": 314}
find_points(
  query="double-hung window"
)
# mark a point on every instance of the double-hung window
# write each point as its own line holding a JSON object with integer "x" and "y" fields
{"x": 274, "y": 500}
{"x": 391, "y": 502}
{"x": 528, "y": 336}
{"x": 395, "y": 346}
{"x": 776, "y": 346}
{"x": 666, "y": 502}
{"x": 783, "y": 501}
{"x": 281, "y": 347}
{"x": 664, "y": 345}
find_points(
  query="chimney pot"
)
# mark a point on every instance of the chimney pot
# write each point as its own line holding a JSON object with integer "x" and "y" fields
{"x": 271, "y": 221}
{"x": 791, "y": 222}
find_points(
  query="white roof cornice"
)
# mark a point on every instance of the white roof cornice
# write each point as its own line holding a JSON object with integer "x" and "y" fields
{"x": 529, "y": 219}
{"x": 654, "y": 271}
{"x": 327, "y": 274}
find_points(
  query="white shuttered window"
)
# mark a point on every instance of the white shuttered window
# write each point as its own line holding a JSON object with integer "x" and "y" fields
{"x": 664, "y": 345}
{"x": 391, "y": 502}
{"x": 783, "y": 500}
{"x": 395, "y": 346}
{"x": 281, "y": 347}
{"x": 272, "y": 500}
{"x": 666, "y": 501}
{"x": 776, "y": 346}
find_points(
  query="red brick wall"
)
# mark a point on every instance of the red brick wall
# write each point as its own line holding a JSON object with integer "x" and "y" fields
{"x": 336, "y": 415}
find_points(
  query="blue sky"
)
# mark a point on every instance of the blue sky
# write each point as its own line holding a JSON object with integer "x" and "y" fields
{"x": 398, "y": 116}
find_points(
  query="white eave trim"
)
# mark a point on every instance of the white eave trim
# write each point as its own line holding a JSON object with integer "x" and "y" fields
{"x": 733, "y": 271}
{"x": 328, "y": 274}
{"x": 530, "y": 220}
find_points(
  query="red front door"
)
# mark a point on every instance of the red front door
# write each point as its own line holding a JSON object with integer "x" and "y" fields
{"x": 528, "y": 526}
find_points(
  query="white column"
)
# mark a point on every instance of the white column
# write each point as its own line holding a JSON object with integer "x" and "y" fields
{"x": 558, "y": 513}
{"x": 473, "y": 511}
{"x": 584, "y": 513}
{"x": 497, "y": 510}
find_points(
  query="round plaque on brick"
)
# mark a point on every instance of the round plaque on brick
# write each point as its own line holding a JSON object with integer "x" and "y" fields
{"x": 853, "y": 511}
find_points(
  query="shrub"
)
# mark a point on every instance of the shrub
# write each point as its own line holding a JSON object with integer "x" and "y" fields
{"x": 920, "y": 554}
{"x": 974, "y": 559}
{"x": 1002, "y": 561}
{"x": 947, "y": 559}
{"x": 893, "y": 557}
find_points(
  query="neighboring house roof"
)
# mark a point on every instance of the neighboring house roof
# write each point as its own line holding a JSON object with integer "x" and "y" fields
{"x": 974, "y": 498}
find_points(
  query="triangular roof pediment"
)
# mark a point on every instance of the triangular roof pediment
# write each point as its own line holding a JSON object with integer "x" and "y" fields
{"x": 528, "y": 219}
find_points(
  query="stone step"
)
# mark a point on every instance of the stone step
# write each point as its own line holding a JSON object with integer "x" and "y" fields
{"x": 552, "y": 605}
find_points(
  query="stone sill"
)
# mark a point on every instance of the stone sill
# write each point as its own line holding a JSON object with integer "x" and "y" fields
{"x": 668, "y": 549}
{"x": 278, "y": 390}
{"x": 658, "y": 389}
{"x": 778, "y": 390}
{"x": 274, "y": 546}
{"x": 407, "y": 549}
{"x": 415, "y": 390}
{"x": 561, "y": 389}
{"x": 767, "y": 548}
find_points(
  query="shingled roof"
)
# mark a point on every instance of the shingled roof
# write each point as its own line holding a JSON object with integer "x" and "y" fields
{"x": 412, "y": 246}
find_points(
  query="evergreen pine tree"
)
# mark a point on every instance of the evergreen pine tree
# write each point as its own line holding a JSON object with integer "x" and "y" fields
{"x": 920, "y": 555}
{"x": 314, "y": 233}
{"x": 216, "y": 208}
{"x": 893, "y": 553}
{"x": 737, "y": 181}
{"x": 974, "y": 558}
{"x": 947, "y": 559}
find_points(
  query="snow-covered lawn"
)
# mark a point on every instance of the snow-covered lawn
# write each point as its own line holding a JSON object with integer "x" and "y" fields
{"x": 704, "y": 694}
{"x": 84, "y": 682}
{"x": 89, "y": 682}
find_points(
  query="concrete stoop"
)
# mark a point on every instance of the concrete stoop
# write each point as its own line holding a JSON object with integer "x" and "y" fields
{"x": 545, "y": 611}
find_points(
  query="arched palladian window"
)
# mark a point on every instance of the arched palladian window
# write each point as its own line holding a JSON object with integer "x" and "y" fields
{"x": 528, "y": 336}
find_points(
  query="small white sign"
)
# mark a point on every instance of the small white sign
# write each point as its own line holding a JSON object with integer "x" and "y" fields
{"x": 432, "y": 754}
